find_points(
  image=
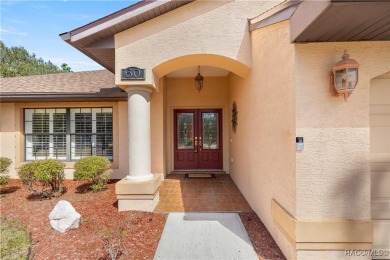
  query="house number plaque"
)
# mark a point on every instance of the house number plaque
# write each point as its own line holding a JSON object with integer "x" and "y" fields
{"x": 133, "y": 73}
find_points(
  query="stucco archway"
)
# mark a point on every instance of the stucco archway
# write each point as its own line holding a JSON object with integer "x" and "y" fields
{"x": 211, "y": 60}
{"x": 177, "y": 90}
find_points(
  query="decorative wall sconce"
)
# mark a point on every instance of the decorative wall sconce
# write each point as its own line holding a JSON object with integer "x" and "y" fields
{"x": 344, "y": 77}
{"x": 199, "y": 81}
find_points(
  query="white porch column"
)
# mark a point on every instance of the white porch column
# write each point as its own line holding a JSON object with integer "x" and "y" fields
{"x": 139, "y": 134}
{"x": 139, "y": 190}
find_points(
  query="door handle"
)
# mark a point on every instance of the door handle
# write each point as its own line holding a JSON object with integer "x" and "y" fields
{"x": 196, "y": 144}
{"x": 200, "y": 143}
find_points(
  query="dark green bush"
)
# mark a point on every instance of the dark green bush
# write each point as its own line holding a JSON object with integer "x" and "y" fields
{"x": 44, "y": 178}
{"x": 96, "y": 169}
{"x": 4, "y": 168}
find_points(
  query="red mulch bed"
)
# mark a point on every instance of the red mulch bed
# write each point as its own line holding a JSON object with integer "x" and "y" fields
{"x": 262, "y": 241}
{"x": 99, "y": 215}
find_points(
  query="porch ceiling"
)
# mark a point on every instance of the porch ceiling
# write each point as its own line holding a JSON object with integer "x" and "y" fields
{"x": 341, "y": 21}
{"x": 206, "y": 71}
{"x": 330, "y": 20}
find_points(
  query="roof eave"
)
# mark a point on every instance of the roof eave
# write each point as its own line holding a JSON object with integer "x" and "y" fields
{"x": 279, "y": 13}
{"x": 112, "y": 16}
{"x": 330, "y": 20}
{"x": 82, "y": 37}
{"x": 61, "y": 97}
{"x": 305, "y": 16}
{"x": 340, "y": 21}
{"x": 91, "y": 56}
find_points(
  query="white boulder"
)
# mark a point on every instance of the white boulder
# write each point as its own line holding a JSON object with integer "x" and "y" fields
{"x": 64, "y": 217}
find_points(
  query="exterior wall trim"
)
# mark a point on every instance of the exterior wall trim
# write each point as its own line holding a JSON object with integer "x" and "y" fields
{"x": 280, "y": 13}
{"x": 284, "y": 221}
{"x": 57, "y": 97}
{"x": 323, "y": 235}
{"x": 333, "y": 246}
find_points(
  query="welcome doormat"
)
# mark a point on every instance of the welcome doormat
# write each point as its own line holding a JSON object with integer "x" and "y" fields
{"x": 200, "y": 175}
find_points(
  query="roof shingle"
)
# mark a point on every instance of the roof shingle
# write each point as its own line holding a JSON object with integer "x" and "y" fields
{"x": 72, "y": 82}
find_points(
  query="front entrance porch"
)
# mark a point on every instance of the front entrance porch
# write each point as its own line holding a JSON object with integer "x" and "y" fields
{"x": 219, "y": 194}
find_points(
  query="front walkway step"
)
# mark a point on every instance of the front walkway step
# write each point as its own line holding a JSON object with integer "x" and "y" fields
{"x": 197, "y": 171}
{"x": 204, "y": 236}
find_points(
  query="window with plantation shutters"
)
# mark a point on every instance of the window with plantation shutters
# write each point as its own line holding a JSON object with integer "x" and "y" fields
{"x": 68, "y": 133}
{"x": 91, "y": 132}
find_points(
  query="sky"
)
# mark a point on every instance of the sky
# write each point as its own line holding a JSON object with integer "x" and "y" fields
{"x": 36, "y": 25}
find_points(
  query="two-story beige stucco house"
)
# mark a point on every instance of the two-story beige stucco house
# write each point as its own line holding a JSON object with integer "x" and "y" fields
{"x": 266, "y": 67}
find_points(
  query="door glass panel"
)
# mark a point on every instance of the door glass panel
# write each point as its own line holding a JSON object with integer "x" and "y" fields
{"x": 185, "y": 131}
{"x": 210, "y": 131}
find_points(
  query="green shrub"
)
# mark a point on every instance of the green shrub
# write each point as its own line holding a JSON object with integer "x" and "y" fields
{"x": 96, "y": 169}
{"x": 4, "y": 164}
{"x": 15, "y": 239}
{"x": 51, "y": 172}
{"x": 45, "y": 177}
{"x": 4, "y": 179}
{"x": 4, "y": 168}
{"x": 27, "y": 174}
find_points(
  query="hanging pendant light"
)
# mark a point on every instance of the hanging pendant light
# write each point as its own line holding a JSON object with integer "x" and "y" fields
{"x": 199, "y": 81}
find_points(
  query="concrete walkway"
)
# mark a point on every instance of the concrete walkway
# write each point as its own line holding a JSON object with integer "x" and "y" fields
{"x": 204, "y": 236}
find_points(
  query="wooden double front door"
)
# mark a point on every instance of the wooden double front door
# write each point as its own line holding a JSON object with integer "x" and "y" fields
{"x": 198, "y": 139}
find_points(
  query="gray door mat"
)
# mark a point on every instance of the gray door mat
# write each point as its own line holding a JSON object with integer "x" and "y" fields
{"x": 200, "y": 175}
{"x": 204, "y": 236}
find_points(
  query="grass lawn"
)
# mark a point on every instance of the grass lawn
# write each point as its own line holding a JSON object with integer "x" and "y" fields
{"x": 15, "y": 239}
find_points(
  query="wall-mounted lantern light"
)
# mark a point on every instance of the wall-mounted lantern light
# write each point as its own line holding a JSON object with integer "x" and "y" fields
{"x": 344, "y": 76}
{"x": 199, "y": 81}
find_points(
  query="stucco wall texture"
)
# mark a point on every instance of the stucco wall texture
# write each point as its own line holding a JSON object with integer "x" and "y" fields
{"x": 263, "y": 148}
{"x": 8, "y": 134}
{"x": 330, "y": 179}
{"x": 199, "y": 27}
{"x": 333, "y": 177}
{"x": 158, "y": 130}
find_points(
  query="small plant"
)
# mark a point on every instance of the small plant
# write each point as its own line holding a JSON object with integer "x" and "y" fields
{"x": 45, "y": 178}
{"x": 113, "y": 241}
{"x": 96, "y": 169}
{"x": 15, "y": 239}
{"x": 98, "y": 187}
{"x": 4, "y": 168}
